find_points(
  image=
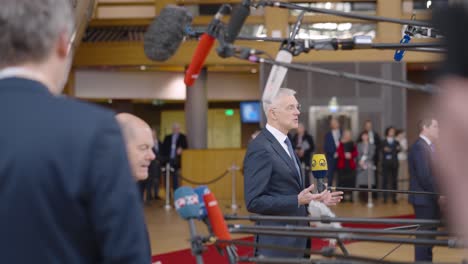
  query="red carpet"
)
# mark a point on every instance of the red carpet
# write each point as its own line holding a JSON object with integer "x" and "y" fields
{"x": 211, "y": 255}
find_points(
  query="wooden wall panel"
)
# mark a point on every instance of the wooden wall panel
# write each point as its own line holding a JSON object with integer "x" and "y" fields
{"x": 205, "y": 165}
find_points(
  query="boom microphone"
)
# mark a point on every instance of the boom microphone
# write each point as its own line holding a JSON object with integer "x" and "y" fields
{"x": 278, "y": 73}
{"x": 233, "y": 28}
{"x": 166, "y": 33}
{"x": 204, "y": 46}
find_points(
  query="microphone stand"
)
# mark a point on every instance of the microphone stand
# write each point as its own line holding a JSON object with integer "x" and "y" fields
{"x": 196, "y": 242}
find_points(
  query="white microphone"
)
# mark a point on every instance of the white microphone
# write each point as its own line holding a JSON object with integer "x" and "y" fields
{"x": 277, "y": 75}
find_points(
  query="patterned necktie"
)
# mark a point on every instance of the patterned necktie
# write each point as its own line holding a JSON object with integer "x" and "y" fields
{"x": 293, "y": 157}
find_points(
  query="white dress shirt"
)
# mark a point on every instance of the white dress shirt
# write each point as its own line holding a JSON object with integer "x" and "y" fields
{"x": 279, "y": 136}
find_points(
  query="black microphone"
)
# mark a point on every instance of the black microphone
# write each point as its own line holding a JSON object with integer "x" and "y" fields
{"x": 166, "y": 33}
{"x": 233, "y": 28}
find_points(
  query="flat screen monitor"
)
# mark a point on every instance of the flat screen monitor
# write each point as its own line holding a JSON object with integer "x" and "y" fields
{"x": 250, "y": 112}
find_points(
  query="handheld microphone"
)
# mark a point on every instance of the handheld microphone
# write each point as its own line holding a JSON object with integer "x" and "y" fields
{"x": 216, "y": 218}
{"x": 233, "y": 28}
{"x": 188, "y": 207}
{"x": 203, "y": 214}
{"x": 166, "y": 33}
{"x": 204, "y": 47}
{"x": 320, "y": 170}
{"x": 220, "y": 229}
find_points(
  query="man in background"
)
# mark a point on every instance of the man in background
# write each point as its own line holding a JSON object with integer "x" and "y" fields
{"x": 331, "y": 142}
{"x": 304, "y": 146}
{"x": 422, "y": 179}
{"x": 66, "y": 190}
{"x": 173, "y": 146}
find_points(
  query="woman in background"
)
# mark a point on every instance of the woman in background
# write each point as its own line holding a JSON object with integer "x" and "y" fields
{"x": 390, "y": 149}
{"x": 365, "y": 171}
{"x": 346, "y": 164}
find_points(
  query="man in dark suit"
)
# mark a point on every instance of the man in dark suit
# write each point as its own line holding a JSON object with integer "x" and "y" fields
{"x": 304, "y": 145}
{"x": 419, "y": 162}
{"x": 173, "y": 146}
{"x": 332, "y": 140}
{"x": 67, "y": 194}
{"x": 273, "y": 182}
{"x": 154, "y": 178}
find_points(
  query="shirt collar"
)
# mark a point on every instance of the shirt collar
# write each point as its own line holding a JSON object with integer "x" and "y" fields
{"x": 276, "y": 133}
{"x": 428, "y": 141}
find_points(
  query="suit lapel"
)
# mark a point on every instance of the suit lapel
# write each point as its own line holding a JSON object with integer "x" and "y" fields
{"x": 282, "y": 153}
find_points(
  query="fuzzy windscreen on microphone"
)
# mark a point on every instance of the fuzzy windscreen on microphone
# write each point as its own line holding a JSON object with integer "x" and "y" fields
{"x": 166, "y": 33}
{"x": 450, "y": 21}
{"x": 318, "y": 209}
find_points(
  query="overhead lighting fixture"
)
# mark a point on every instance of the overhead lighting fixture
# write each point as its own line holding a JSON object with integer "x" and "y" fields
{"x": 428, "y": 3}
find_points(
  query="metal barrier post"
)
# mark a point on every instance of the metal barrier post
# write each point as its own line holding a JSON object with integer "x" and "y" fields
{"x": 233, "y": 170}
{"x": 168, "y": 187}
{"x": 369, "y": 185}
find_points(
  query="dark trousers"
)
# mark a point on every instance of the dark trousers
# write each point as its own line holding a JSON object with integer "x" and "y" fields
{"x": 152, "y": 183}
{"x": 331, "y": 169}
{"x": 389, "y": 179}
{"x": 424, "y": 253}
{"x": 175, "y": 174}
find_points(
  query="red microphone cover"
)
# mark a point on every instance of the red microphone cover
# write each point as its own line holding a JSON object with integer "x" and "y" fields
{"x": 201, "y": 53}
{"x": 216, "y": 218}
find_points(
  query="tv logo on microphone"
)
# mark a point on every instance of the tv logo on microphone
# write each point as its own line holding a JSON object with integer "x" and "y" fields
{"x": 187, "y": 200}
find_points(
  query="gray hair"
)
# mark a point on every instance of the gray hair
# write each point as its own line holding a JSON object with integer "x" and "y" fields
{"x": 267, "y": 104}
{"x": 29, "y": 29}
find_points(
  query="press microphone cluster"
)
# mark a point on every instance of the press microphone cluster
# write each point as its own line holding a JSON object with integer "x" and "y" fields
{"x": 201, "y": 204}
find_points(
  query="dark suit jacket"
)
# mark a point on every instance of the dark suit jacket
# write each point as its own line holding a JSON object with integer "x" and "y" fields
{"x": 66, "y": 192}
{"x": 154, "y": 169}
{"x": 378, "y": 146}
{"x": 271, "y": 187}
{"x": 419, "y": 162}
{"x": 307, "y": 153}
{"x": 330, "y": 149}
{"x": 390, "y": 156}
{"x": 180, "y": 143}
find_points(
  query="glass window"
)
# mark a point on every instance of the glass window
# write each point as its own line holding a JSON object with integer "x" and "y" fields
{"x": 253, "y": 30}
{"x": 368, "y": 7}
{"x": 335, "y": 30}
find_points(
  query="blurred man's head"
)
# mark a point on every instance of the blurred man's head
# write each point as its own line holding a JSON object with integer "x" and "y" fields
{"x": 429, "y": 127}
{"x": 176, "y": 128}
{"x": 334, "y": 124}
{"x": 368, "y": 126}
{"x": 301, "y": 129}
{"x": 139, "y": 142}
{"x": 283, "y": 110}
{"x": 37, "y": 36}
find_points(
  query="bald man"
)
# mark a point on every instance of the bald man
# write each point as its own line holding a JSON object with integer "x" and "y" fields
{"x": 139, "y": 141}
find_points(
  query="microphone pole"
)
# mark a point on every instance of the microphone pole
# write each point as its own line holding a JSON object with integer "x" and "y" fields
{"x": 374, "y": 231}
{"x": 333, "y": 188}
{"x": 343, "y": 14}
{"x": 450, "y": 243}
{"x": 328, "y": 220}
{"x": 352, "y": 76}
{"x": 325, "y": 252}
